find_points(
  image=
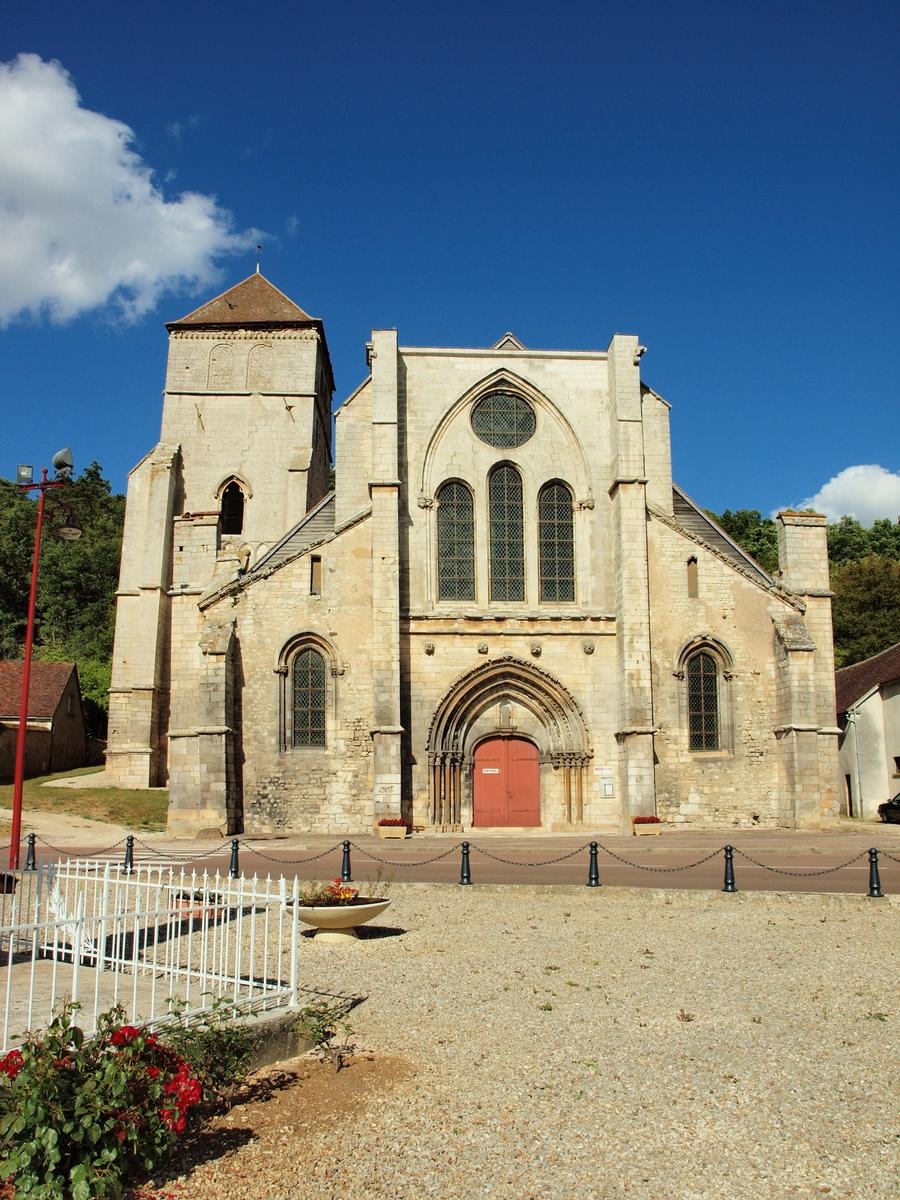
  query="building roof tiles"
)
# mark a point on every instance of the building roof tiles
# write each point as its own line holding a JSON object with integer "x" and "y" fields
{"x": 851, "y": 683}
{"x": 48, "y": 682}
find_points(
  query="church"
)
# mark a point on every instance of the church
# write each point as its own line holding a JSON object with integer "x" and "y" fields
{"x": 499, "y": 610}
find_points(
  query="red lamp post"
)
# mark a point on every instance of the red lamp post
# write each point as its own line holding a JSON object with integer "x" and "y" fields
{"x": 63, "y": 470}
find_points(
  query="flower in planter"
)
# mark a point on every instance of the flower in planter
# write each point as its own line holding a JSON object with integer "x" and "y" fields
{"x": 393, "y": 822}
{"x": 645, "y": 821}
{"x": 325, "y": 894}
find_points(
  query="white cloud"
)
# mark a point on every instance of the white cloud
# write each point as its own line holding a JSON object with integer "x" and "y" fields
{"x": 82, "y": 220}
{"x": 865, "y": 492}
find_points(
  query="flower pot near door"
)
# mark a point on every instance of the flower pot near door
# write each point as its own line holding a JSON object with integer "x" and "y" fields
{"x": 392, "y": 831}
{"x": 646, "y": 826}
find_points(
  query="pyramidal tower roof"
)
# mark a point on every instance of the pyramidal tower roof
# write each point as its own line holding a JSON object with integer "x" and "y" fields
{"x": 253, "y": 302}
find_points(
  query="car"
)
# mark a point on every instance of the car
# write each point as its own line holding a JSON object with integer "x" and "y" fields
{"x": 890, "y": 810}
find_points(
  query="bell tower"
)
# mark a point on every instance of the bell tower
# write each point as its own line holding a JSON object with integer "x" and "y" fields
{"x": 244, "y": 453}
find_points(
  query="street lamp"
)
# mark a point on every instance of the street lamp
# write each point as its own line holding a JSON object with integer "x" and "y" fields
{"x": 62, "y": 466}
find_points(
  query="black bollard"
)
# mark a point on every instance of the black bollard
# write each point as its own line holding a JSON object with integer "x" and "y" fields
{"x": 593, "y": 869}
{"x": 234, "y": 868}
{"x": 465, "y": 874}
{"x": 874, "y": 892}
{"x": 346, "y": 875}
{"x": 730, "y": 885}
{"x": 129, "y": 854}
{"x": 30, "y": 861}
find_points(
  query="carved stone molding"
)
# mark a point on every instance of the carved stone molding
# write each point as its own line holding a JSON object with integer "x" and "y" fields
{"x": 536, "y": 649}
{"x": 482, "y": 647}
{"x": 429, "y": 647}
{"x": 425, "y": 501}
{"x": 588, "y": 647}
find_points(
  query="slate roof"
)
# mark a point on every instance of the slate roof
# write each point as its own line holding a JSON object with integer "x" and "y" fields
{"x": 48, "y": 682}
{"x": 255, "y": 301}
{"x": 851, "y": 683}
{"x": 691, "y": 516}
{"x": 317, "y": 524}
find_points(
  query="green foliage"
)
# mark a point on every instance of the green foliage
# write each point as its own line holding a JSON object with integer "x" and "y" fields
{"x": 75, "y": 611}
{"x": 754, "y": 533}
{"x": 321, "y": 1023}
{"x": 866, "y": 607}
{"x": 216, "y": 1046}
{"x": 79, "y": 1116}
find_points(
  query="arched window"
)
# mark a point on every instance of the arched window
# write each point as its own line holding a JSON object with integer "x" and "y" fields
{"x": 231, "y": 519}
{"x": 702, "y": 672}
{"x": 556, "y": 543}
{"x": 455, "y": 542}
{"x": 308, "y": 698}
{"x": 507, "y": 534}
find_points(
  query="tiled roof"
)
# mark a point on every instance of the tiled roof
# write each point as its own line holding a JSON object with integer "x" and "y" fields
{"x": 853, "y": 682}
{"x": 690, "y": 516}
{"x": 255, "y": 301}
{"x": 48, "y": 682}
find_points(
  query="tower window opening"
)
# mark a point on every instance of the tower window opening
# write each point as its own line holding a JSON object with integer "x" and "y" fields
{"x": 232, "y": 515}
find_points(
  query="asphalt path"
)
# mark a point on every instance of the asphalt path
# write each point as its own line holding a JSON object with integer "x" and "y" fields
{"x": 764, "y": 860}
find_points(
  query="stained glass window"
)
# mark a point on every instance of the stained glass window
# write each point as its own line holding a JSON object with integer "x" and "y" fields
{"x": 703, "y": 701}
{"x": 507, "y": 534}
{"x": 503, "y": 419}
{"x": 556, "y": 543}
{"x": 309, "y": 699}
{"x": 455, "y": 542}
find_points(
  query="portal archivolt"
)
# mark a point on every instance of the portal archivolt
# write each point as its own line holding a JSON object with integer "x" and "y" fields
{"x": 505, "y": 697}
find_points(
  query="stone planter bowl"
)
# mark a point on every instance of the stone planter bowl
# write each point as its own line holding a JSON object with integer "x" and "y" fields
{"x": 338, "y": 922}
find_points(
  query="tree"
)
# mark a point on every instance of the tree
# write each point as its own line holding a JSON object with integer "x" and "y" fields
{"x": 75, "y": 611}
{"x": 754, "y": 533}
{"x": 866, "y": 607}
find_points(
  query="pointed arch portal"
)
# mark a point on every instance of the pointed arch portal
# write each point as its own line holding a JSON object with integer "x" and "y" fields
{"x": 506, "y": 700}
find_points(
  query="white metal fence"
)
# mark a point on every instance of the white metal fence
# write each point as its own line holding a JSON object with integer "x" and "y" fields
{"x": 90, "y": 933}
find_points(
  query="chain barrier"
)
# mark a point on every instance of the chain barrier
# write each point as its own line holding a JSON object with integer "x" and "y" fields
{"x": 661, "y": 870}
{"x": 546, "y": 862}
{"x": 420, "y": 862}
{"x": 801, "y": 874}
{"x": 178, "y": 857}
{"x": 884, "y": 854}
{"x": 291, "y": 861}
{"x": 90, "y": 854}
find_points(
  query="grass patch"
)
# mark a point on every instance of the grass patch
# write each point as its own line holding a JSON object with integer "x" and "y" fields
{"x": 134, "y": 809}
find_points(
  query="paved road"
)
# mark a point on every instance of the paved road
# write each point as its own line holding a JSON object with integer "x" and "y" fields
{"x": 517, "y": 858}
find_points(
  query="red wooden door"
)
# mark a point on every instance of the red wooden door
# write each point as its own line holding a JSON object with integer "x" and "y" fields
{"x": 507, "y": 788}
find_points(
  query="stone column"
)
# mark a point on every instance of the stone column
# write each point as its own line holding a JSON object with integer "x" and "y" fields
{"x": 139, "y": 691}
{"x": 200, "y": 738}
{"x": 634, "y": 733}
{"x": 809, "y": 736}
{"x": 384, "y": 489}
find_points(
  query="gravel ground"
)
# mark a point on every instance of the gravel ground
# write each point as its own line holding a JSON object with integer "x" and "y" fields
{"x": 603, "y": 1045}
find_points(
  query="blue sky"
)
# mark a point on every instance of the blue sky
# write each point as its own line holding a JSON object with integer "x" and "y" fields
{"x": 721, "y": 180}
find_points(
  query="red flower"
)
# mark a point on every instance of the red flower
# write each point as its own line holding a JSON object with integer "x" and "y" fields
{"x": 124, "y": 1036}
{"x": 11, "y": 1064}
{"x": 153, "y": 1072}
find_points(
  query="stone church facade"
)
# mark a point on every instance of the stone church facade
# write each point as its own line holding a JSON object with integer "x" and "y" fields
{"x": 502, "y": 613}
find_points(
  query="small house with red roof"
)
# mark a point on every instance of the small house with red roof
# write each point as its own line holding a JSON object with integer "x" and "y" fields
{"x": 868, "y": 709}
{"x": 55, "y": 740}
